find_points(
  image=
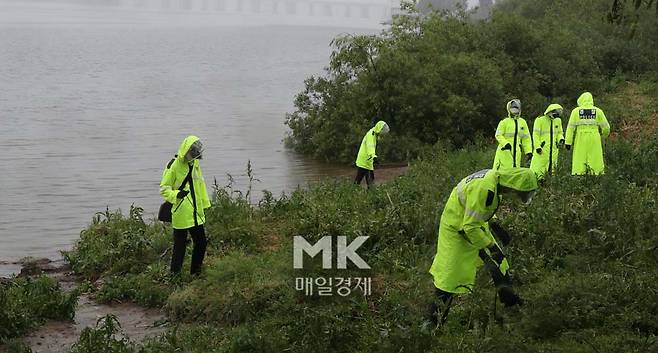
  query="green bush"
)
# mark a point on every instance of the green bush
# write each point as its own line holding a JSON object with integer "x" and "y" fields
{"x": 114, "y": 244}
{"x": 150, "y": 288}
{"x": 244, "y": 287}
{"x": 448, "y": 77}
{"x": 27, "y": 303}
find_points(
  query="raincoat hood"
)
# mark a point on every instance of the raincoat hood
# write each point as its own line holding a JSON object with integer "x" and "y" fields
{"x": 552, "y": 107}
{"x": 380, "y": 126}
{"x": 586, "y": 100}
{"x": 185, "y": 146}
{"x": 509, "y": 107}
{"x": 519, "y": 179}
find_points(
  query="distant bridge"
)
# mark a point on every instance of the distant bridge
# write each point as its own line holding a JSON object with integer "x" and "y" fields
{"x": 363, "y": 10}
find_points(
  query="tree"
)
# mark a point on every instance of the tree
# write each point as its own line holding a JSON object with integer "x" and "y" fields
{"x": 446, "y": 77}
{"x": 618, "y": 8}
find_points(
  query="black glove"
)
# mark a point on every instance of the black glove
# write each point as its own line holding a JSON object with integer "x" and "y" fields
{"x": 489, "y": 260}
{"x": 541, "y": 146}
{"x": 568, "y": 147}
{"x": 506, "y": 147}
{"x": 181, "y": 194}
{"x": 375, "y": 161}
{"x": 508, "y": 297}
{"x": 500, "y": 233}
{"x": 496, "y": 253}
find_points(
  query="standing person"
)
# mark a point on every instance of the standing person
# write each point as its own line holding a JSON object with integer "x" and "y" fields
{"x": 586, "y": 125}
{"x": 183, "y": 186}
{"x": 466, "y": 241}
{"x": 548, "y": 136}
{"x": 513, "y": 138}
{"x": 365, "y": 160}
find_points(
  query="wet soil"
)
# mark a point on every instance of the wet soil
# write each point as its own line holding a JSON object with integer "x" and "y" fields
{"x": 137, "y": 323}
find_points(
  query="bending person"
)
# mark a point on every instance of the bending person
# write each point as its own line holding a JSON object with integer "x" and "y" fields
{"x": 465, "y": 239}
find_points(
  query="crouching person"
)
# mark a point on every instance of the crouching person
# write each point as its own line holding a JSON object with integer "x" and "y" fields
{"x": 183, "y": 186}
{"x": 465, "y": 239}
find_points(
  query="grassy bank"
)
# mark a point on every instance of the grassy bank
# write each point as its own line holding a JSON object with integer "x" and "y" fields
{"x": 584, "y": 255}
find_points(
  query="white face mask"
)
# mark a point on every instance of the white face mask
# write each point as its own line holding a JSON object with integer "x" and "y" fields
{"x": 515, "y": 107}
{"x": 555, "y": 113}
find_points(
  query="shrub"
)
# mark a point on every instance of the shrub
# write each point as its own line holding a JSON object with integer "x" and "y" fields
{"x": 27, "y": 303}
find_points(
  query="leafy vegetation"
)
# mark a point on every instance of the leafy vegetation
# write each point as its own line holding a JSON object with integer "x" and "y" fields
{"x": 619, "y": 10}
{"x": 584, "y": 255}
{"x": 449, "y": 77}
{"x": 27, "y": 303}
{"x": 104, "y": 338}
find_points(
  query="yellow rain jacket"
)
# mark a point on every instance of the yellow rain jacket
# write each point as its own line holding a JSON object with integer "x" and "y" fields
{"x": 513, "y": 131}
{"x": 464, "y": 228}
{"x": 586, "y": 125}
{"x": 189, "y": 211}
{"x": 546, "y": 134}
{"x": 368, "y": 149}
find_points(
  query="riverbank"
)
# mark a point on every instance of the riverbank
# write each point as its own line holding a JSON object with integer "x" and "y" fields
{"x": 56, "y": 336}
{"x": 247, "y": 299}
{"x": 136, "y": 322}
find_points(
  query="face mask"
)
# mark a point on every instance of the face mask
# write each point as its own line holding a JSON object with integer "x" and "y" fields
{"x": 515, "y": 107}
{"x": 195, "y": 151}
{"x": 555, "y": 113}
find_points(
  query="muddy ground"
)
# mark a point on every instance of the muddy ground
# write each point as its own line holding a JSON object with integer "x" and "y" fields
{"x": 136, "y": 322}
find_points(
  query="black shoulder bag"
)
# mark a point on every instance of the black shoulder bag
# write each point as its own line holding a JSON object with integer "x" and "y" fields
{"x": 164, "y": 214}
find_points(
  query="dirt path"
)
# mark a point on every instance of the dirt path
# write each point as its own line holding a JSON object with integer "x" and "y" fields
{"x": 57, "y": 337}
{"x": 136, "y": 322}
{"x": 383, "y": 173}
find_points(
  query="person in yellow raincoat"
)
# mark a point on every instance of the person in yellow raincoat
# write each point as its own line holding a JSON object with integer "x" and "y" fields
{"x": 465, "y": 240}
{"x": 513, "y": 138}
{"x": 548, "y": 137}
{"x": 365, "y": 160}
{"x": 587, "y": 124}
{"x": 183, "y": 186}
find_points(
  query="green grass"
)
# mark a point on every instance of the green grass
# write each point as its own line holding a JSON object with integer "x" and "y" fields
{"x": 27, "y": 303}
{"x": 584, "y": 254}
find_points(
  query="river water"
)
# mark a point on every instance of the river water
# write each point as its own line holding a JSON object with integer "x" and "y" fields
{"x": 90, "y": 112}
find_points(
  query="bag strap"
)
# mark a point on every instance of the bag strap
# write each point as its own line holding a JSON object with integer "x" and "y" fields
{"x": 187, "y": 179}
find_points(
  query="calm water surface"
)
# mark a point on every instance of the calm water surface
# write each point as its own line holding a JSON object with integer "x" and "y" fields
{"x": 90, "y": 114}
